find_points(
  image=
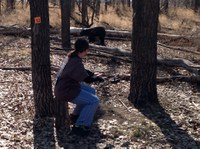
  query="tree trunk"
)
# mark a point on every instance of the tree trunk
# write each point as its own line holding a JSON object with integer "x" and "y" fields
{"x": 164, "y": 7}
{"x": 27, "y": 3}
{"x": 106, "y": 5}
{"x": 41, "y": 72}
{"x": 97, "y": 10}
{"x": 65, "y": 19}
{"x": 144, "y": 55}
{"x": 22, "y": 1}
{"x": 128, "y": 3}
{"x": 62, "y": 115}
{"x": 54, "y": 2}
{"x": 84, "y": 13}
{"x": 10, "y": 5}
{"x": 0, "y": 7}
{"x": 196, "y": 6}
{"x": 72, "y": 5}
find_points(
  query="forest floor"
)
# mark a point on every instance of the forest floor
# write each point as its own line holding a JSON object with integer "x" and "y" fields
{"x": 175, "y": 123}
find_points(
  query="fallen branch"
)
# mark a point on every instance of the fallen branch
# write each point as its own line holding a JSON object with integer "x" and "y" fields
{"x": 15, "y": 31}
{"x": 128, "y": 34}
{"x": 175, "y": 35}
{"x": 124, "y": 105}
{"x": 179, "y": 48}
{"x": 110, "y": 34}
{"x": 20, "y": 31}
{"x": 168, "y": 62}
{"x": 190, "y": 79}
{"x": 54, "y": 68}
{"x": 110, "y": 50}
{"x": 176, "y": 62}
{"x": 16, "y": 68}
{"x": 110, "y": 56}
{"x": 98, "y": 48}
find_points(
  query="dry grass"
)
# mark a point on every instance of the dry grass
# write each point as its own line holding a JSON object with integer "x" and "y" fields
{"x": 121, "y": 18}
{"x": 20, "y": 16}
{"x": 180, "y": 19}
{"x": 187, "y": 14}
{"x": 55, "y": 16}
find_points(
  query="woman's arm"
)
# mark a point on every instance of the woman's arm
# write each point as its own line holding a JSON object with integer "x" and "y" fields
{"x": 92, "y": 78}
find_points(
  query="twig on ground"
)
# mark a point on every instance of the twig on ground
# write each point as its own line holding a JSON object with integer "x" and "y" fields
{"x": 124, "y": 105}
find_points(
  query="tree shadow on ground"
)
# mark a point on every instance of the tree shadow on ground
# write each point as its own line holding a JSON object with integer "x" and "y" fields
{"x": 177, "y": 137}
{"x": 43, "y": 131}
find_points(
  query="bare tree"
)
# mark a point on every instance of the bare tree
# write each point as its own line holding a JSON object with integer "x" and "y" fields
{"x": 164, "y": 7}
{"x": 61, "y": 109}
{"x": 10, "y": 5}
{"x": 65, "y": 19}
{"x": 0, "y": 7}
{"x": 27, "y": 3}
{"x": 128, "y": 3}
{"x": 22, "y": 2}
{"x": 97, "y": 5}
{"x": 54, "y": 2}
{"x": 84, "y": 12}
{"x": 72, "y": 5}
{"x": 94, "y": 9}
{"x": 41, "y": 72}
{"x": 196, "y": 6}
{"x": 106, "y": 4}
{"x": 144, "y": 55}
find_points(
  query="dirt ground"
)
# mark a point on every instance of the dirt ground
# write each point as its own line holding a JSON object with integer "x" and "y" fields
{"x": 175, "y": 123}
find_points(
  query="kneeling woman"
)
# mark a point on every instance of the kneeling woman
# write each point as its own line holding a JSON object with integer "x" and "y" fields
{"x": 70, "y": 87}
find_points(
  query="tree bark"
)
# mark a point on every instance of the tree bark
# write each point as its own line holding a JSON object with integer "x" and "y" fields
{"x": 144, "y": 55}
{"x": 10, "y": 5}
{"x": 62, "y": 115}
{"x": 106, "y": 5}
{"x": 84, "y": 13}
{"x": 65, "y": 21}
{"x": 196, "y": 6}
{"x": 41, "y": 72}
{"x": 54, "y": 2}
{"x": 72, "y": 5}
{"x": 0, "y": 7}
{"x": 97, "y": 8}
{"x": 128, "y": 3}
{"x": 164, "y": 7}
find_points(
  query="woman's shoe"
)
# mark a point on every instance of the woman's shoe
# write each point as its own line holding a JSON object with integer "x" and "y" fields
{"x": 73, "y": 118}
{"x": 82, "y": 131}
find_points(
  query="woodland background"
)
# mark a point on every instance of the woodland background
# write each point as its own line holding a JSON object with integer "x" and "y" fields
{"x": 118, "y": 124}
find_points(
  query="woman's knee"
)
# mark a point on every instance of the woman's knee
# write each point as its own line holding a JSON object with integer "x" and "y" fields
{"x": 88, "y": 88}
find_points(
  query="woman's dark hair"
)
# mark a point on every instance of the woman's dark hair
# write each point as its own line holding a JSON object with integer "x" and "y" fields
{"x": 81, "y": 45}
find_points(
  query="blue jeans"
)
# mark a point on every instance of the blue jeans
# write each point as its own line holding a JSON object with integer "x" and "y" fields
{"x": 86, "y": 105}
